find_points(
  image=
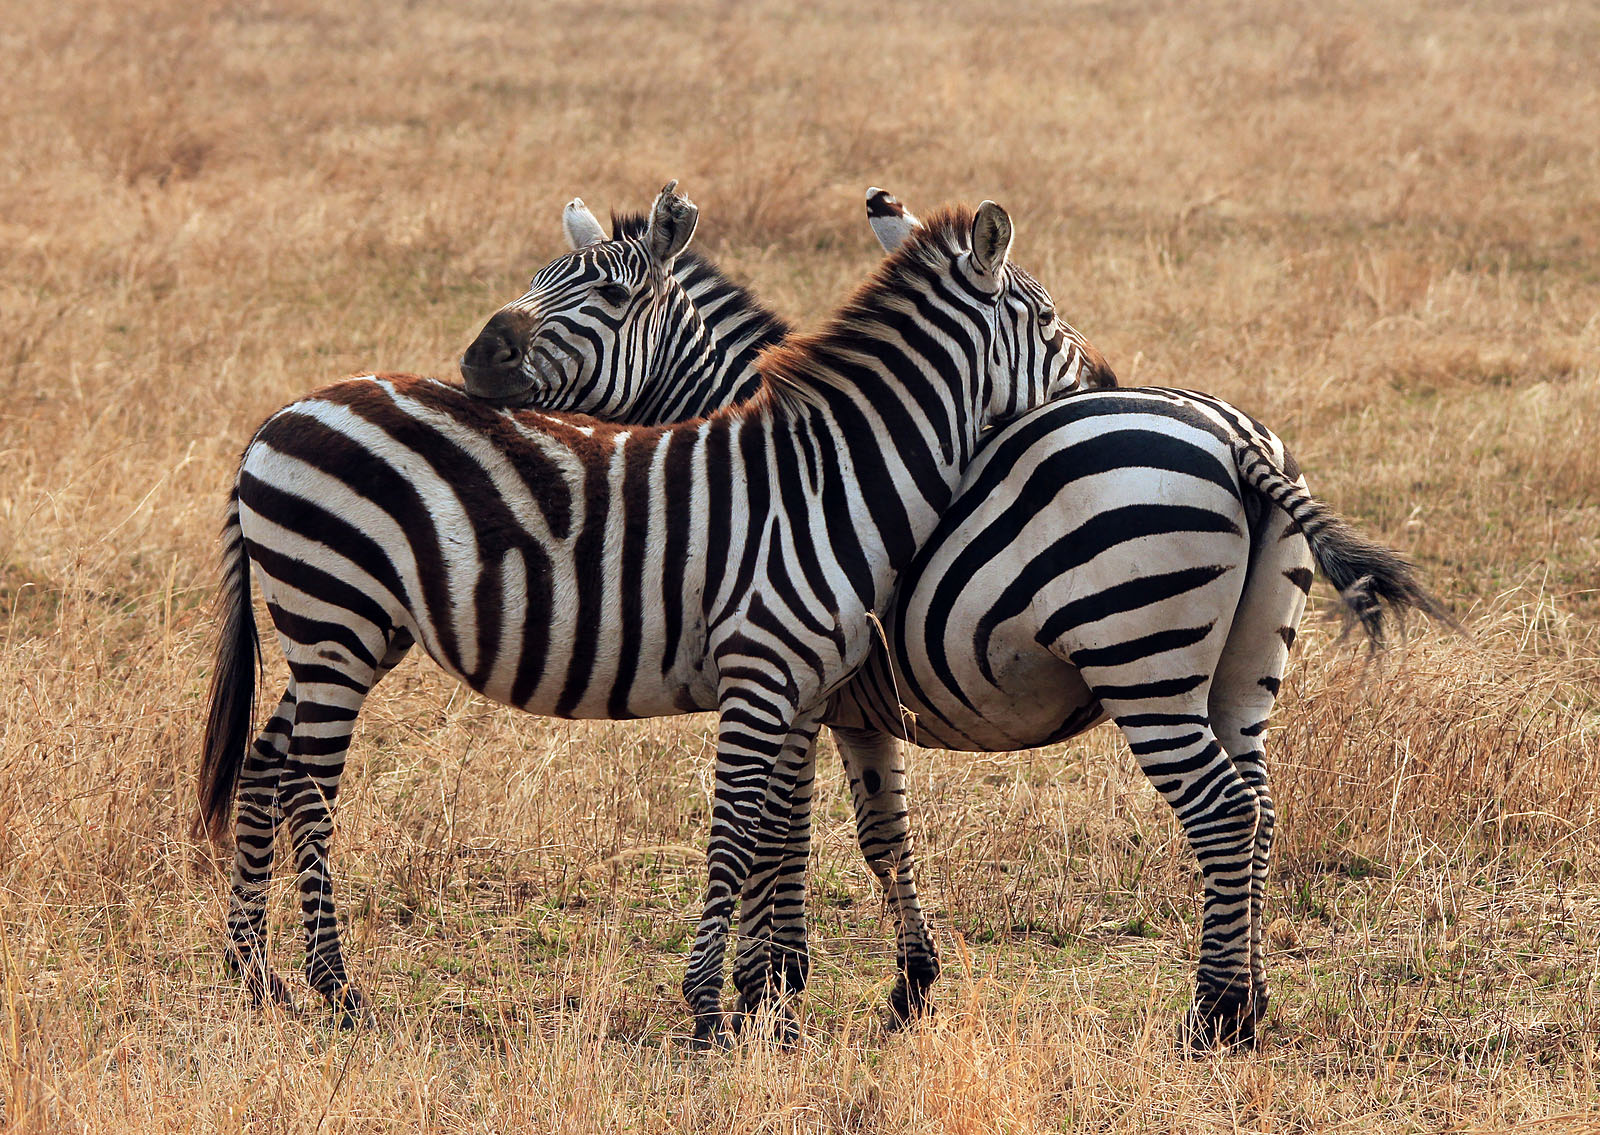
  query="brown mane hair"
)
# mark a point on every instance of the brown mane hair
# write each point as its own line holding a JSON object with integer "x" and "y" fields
{"x": 929, "y": 250}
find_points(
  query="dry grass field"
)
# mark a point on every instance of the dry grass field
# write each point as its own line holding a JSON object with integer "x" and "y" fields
{"x": 1379, "y": 232}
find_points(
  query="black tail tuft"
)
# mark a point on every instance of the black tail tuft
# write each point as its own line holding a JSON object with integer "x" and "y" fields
{"x": 1373, "y": 581}
{"x": 233, "y": 687}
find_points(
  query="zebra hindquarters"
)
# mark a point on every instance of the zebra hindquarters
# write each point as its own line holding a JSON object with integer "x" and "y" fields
{"x": 1245, "y": 690}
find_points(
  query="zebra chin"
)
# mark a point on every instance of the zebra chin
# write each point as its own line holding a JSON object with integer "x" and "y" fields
{"x": 500, "y": 386}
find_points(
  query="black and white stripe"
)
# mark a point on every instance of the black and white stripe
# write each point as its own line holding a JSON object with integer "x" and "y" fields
{"x": 1114, "y": 554}
{"x": 634, "y": 329}
{"x": 581, "y": 569}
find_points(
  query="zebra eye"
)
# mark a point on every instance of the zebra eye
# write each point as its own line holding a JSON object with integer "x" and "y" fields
{"x": 614, "y": 294}
{"x": 1047, "y": 317}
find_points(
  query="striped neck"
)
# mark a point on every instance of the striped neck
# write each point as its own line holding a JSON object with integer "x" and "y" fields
{"x": 707, "y": 348}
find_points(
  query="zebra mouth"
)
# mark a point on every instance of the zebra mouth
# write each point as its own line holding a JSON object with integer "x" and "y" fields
{"x": 512, "y": 388}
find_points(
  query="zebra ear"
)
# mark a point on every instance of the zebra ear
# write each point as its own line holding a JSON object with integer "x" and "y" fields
{"x": 991, "y": 238}
{"x": 891, "y": 222}
{"x": 672, "y": 221}
{"x": 580, "y": 225}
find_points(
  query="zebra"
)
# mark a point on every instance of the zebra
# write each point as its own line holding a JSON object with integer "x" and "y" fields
{"x": 580, "y": 569}
{"x": 698, "y": 344}
{"x": 1051, "y": 623}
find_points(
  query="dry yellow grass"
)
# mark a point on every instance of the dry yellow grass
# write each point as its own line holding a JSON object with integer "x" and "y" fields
{"x": 1378, "y": 232}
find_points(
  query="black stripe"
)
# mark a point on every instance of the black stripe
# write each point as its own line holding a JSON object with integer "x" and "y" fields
{"x": 636, "y": 506}
{"x": 589, "y": 559}
{"x": 1124, "y": 597}
{"x": 1138, "y": 649}
{"x": 535, "y": 625}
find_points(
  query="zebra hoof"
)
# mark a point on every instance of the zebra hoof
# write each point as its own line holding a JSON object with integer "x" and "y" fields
{"x": 709, "y": 1035}
{"x": 351, "y": 1009}
{"x": 1227, "y": 1024}
{"x": 264, "y": 987}
{"x": 908, "y": 1004}
{"x": 771, "y": 1021}
{"x": 276, "y": 992}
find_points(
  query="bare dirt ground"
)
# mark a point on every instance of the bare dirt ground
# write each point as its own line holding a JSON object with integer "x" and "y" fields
{"x": 1378, "y": 232}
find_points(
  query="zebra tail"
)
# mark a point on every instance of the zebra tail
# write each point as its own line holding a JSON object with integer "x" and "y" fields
{"x": 233, "y": 685}
{"x": 1373, "y": 580}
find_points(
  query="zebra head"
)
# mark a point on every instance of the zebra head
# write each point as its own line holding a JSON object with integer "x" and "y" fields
{"x": 593, "y": 322}
{"x": 1031, "y": 358}
{"x": 892, "y": 223}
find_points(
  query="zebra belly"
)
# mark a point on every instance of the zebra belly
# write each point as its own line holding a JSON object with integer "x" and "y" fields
{"x": 1036, "y": 699}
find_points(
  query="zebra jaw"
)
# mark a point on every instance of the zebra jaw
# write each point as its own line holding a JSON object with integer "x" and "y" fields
{"x": 539, "y": 375}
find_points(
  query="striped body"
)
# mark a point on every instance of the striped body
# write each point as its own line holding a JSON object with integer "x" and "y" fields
{"x": 1133, "y": 554}
{"x": 566, "y": 567}
{"x": 582, "y": 569}
{"x": 1104, "y": 521}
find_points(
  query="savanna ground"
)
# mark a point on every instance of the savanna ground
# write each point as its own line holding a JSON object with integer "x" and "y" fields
{"x": 1377, "y": 232}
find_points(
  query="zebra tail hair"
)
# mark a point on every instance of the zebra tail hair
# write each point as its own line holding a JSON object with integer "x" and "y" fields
{"x": 233, "y": 685}
{"x": 1373, "y": 580}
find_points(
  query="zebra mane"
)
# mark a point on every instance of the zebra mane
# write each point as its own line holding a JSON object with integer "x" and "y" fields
{"x": 928, "y": 251}
{"x": 769, "y": 326}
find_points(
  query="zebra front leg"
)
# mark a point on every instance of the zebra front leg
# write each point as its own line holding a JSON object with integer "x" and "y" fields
{"x": 773, "y": 961}
{"x": 751, "y": 735}
{"x": 875, "y": 767}
{"x": 255, "y": 829}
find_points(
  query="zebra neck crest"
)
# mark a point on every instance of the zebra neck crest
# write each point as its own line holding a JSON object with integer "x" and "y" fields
{"x": 737, "y": 327}
{"x": 927, "y": 273}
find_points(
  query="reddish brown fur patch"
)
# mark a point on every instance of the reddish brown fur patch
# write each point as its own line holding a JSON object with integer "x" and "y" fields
{"x": 947, "y": 227}
{"x": 1096, "y": 371}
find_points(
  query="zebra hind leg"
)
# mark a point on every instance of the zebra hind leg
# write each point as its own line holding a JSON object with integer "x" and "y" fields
{"x": 1244, "y": 690}
{"x": 875, "y": 766}
{"x": 260, "y": 816}
{"x": 331, "y": 685}
{"x": 255, "y": 829}
{"x": 1174, "y": 743}
{"x": 774, "y": 962}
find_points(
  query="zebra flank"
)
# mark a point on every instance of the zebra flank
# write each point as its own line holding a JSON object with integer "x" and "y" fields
{"x": 578, "y": 568}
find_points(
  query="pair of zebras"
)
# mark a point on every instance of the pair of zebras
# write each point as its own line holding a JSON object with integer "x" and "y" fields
{"x": 1142, "y": 555}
